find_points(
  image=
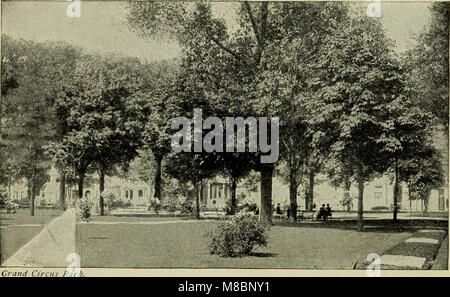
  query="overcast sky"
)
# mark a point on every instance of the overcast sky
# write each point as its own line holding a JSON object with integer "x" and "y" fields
{"x": 101, "y": 27}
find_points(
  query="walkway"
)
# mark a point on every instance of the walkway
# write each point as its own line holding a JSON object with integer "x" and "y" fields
{"x": 51, "y": 247}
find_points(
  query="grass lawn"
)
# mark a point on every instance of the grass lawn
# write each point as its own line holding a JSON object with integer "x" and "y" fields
{"x": 181, "y": 245}
{"x": 19, "y": 228}
{"x": 134, "y": 218}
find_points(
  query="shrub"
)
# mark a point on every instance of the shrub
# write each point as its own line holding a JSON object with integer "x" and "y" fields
{"x": 228, "y": 209}
{"x": 249, "y": 206}
{"x": 109, "y": 201}
{"x": 11, "y": 207}
{"x": 171, "y": 204}
{"x": 84, "y": 207}
{"x": 155, "y": 204}
{"x": 237, "y": 236}
{"x": 187, "y": 206}
{"x": 3, "y": 198}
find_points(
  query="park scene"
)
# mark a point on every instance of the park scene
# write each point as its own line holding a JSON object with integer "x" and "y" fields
{"x": 250, "y": 135}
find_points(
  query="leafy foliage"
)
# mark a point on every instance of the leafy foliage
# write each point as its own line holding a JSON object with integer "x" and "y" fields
{"x": 428, "y": 65}
{"x": 83, "y": 209}
{"x": 237, "y": 236}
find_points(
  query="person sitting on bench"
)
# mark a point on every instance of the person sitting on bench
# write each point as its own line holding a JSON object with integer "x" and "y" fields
{"x": 322, "y": 213}
{"x": 328, "y": 212}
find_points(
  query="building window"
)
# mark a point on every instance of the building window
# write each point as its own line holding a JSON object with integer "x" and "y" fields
{"x": 126, "y": 194}
{"x": 141, "y": 193}
{"x": 131, "y": 194}
{"x": 378, "y": 195}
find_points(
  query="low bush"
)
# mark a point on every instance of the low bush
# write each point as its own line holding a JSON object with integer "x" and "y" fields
{"x": 111, "y": 202}
{"x": 228, "y": 209}
{"x": 11, "y": 207}
{"x": 238, "y": 235}
{"x": 249, "y": 207}
{"x": 3, "y": 198}
{"x": 155, "y": 204}
{"x": 83, "y": 209}
{"x": 171, "y": 204}
{"x": 187, "y": 206}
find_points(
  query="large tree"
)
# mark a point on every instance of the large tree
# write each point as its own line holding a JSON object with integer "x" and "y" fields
{"x": 422, "y": 171}
{"x": 41, "y": 69}
{"x": 357, "y": 76}
{"x": 162, "y": 105}
{"x": 226, "y": 57}
{"x": 102, "y": 113}
{"x": 428, "y": 65}
{"x": 407, "y": 128}
{"x": 193, "y": 168}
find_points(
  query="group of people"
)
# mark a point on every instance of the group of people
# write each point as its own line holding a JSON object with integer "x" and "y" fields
{"x": 324, "y": 212}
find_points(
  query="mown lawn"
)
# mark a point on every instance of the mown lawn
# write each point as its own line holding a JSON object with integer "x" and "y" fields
{"x": 18, "y": 229}
{"x": 181, "y": 245}
{"x": 135, "y": 218}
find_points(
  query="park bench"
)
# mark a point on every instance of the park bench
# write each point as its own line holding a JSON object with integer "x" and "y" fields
{"x": 279, "y": 217}
{"x": 305, "y": 214}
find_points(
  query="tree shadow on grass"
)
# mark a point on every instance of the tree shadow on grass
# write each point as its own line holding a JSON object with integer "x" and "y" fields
{"x": 264, "y": 255}
{"x": 380, "y": 226}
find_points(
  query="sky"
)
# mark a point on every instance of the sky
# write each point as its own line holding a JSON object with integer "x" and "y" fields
{"x": 101, "y": 27}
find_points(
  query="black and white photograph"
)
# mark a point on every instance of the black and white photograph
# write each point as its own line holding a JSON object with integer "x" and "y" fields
{"x": 303, "y": 136}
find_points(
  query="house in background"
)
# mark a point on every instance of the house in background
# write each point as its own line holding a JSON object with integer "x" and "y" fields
{"x": 378, "y": 194}
{"x": 215, "y": 193}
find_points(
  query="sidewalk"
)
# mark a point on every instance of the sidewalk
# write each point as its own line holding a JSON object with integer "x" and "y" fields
{"x": 425, "y": 249}
{"x": 50, "y": 247}
{"x": 441, "y": 262}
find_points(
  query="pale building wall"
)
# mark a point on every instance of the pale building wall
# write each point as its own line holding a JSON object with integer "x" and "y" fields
{"x": 378, "y": 193}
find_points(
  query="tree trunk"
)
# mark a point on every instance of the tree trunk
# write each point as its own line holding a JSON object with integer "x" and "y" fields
{"x": 265, "y": 213}
{"x": 33, "y": 184}
{"x": 360, "y": 204}
{"x": 311, "y": 189}
{"x": 233, "y": 195}
{"x": 421, "y": 205}
{"x": 33, "y": 195}
{"x": 293, "y": 194}
{"x": 396, "y": 191}
{"x": 157, "y": 194}
{"x": 197, "y": 201}
{"x": 62, "y": 191}
{"x": 347, "y": 186}
{"x": 9, "y": 184}
{"x": 80, "y": 186}
{"x": 102, "y": 188}
{"x": 426, "y": 200}
{"x": 307, "y": 198}
{"x": 410, "y": 202}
